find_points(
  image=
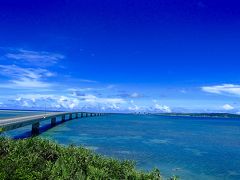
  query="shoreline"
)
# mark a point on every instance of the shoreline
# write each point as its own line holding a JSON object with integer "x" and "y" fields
{"x": 59, "y": 161}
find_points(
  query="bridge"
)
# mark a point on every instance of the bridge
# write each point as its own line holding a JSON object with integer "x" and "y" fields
{"x": 35, "y": 120}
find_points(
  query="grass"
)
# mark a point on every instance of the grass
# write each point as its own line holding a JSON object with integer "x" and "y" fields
{"x": 1, "y": 130}
{"x": 36, "y": 158}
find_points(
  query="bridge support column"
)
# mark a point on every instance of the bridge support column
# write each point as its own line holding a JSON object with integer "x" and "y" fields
{"x": 35, "y": 128}
{"x": 86, "y": 114}
{"x": 63, "y": 118}
{"x": 81, "y": 115}
{"x": 70, "y": 116}
{"x": 53, "y": 121}
{"x": 76, "y": 115}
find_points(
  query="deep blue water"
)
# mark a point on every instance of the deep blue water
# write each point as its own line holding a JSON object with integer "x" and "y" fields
{"x": 193, "y": 148}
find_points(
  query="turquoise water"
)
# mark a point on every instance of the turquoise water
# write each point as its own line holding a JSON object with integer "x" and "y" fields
{"x": 193, "y": 148}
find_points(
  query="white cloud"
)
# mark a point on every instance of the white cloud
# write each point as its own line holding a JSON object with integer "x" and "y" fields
{"x": 111, "y": 86}
{"x": 77, "y": 90}
{"x": 227, "y": 107}
{"x": 51, "y": 101}
{"x": 133, "y": 106}
{"x": 15, "y": 71}
{"x": 156, "y": 108}
{"x": 162, "y": 108}
{"x": 223, "y": 89}
{"x": 94, "y": 99}
{"x": 27, "y": 83}
{"x": 74, "y": 91}
{"x": 183, "y": 91}
{"x": 135, "y": 95}
{"x": 130, "y": 95}
{"x": 87, "y": 81}
{"x": 25, "y": 77}
{"x": 36, "y": 58}
{"x": 68, "y": 103}
{"x": 35, "y": 97}
{"x": 39, "y": 101}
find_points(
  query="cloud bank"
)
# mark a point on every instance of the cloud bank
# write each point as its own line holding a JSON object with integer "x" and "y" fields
{"x": 227, "y": 89}
{"x": 227, "y": 107}
{"x": 19, "y": 77}
{"x": 35, "y": 58}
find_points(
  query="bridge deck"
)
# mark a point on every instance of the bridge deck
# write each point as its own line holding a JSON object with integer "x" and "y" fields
{"x": 13, "y": 123}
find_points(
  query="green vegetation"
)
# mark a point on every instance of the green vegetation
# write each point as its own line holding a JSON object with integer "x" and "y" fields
{"x": 1, "y": 130}
{"x": 36, "y": 158}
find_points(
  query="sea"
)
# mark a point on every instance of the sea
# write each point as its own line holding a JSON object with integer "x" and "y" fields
{"x": 193, "y": 148}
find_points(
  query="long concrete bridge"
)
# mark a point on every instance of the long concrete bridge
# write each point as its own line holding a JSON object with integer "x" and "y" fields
{"x": 35, "y": 120}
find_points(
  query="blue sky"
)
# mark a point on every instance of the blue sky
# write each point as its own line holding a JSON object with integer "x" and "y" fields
{"x": 135, "y": 55}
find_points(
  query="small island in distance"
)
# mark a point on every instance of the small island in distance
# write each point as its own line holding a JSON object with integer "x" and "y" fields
{"x": 210, "y": 115}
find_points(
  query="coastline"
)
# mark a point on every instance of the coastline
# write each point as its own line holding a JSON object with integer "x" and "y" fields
{"x": 44, "y": 159}
{"x": 153, "y": 141}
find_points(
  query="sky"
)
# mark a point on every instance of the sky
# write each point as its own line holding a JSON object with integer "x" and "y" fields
{"x": 120, "y": 56}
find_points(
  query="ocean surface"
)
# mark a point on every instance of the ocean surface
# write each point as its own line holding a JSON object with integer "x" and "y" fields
{"x": 192, "y": 148}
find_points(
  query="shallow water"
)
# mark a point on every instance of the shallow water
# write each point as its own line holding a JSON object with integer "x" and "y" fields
{"x": 193, "y": 148}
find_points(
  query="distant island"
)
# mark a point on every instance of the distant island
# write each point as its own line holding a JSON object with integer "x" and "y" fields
{"x": 212, "y": 115}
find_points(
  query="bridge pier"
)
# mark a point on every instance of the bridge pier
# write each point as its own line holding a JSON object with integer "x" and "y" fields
{"x": 70, "y": 116}
{"x": 63, "y": 118}
{"x": 53, "y": 121}
{"x": 35, "y": 128}
{"x": 76, "y": 115}
{"x": 81, "y": 115}
{"x": 86, "y": 114}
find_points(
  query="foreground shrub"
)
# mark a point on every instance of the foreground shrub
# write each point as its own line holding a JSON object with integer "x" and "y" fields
{"x": 36, "y": 158}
